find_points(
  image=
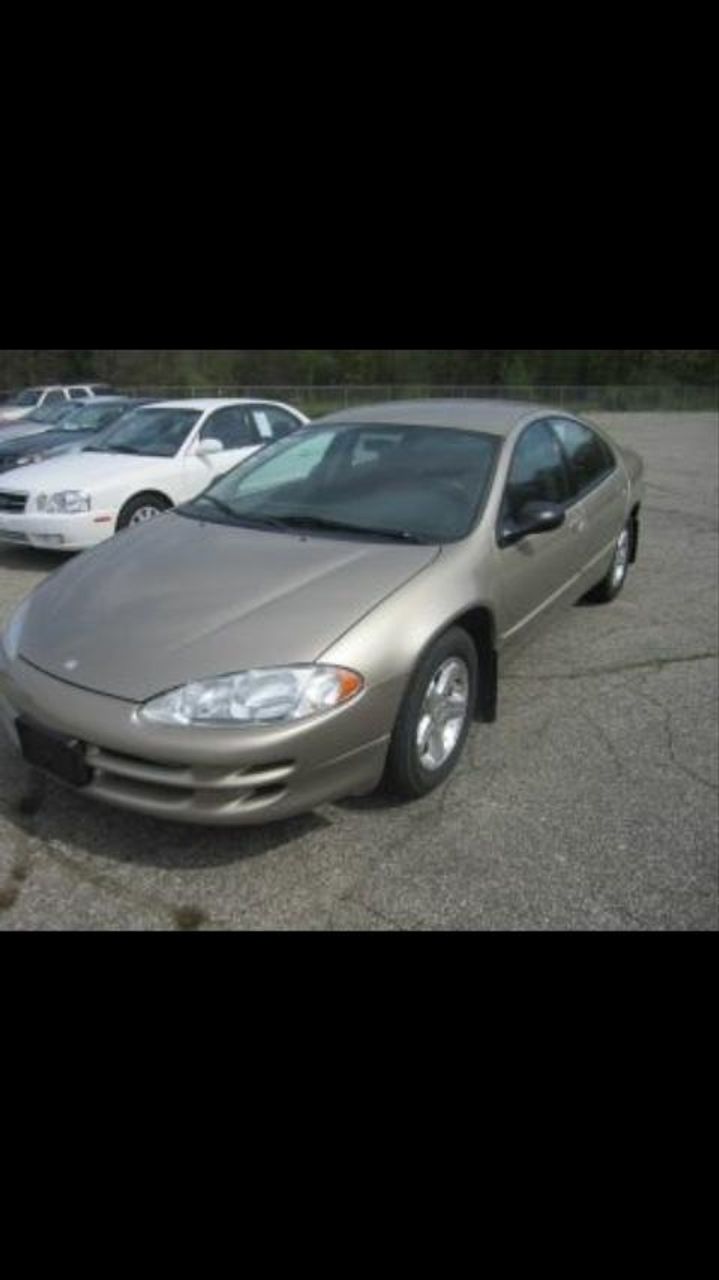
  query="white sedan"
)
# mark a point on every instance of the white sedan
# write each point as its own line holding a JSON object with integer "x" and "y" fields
{"x": 155, "y": 457}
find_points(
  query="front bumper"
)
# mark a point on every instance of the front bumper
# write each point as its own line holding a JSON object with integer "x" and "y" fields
{"x": 56, "y": 532}
{"x": 222, "y": 777}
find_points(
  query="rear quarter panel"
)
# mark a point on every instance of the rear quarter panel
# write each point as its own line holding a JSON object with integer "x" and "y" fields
{"x": 634, "y": 467}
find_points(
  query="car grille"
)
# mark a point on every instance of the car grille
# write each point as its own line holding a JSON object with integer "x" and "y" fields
{"x": 175, "y": 788}
{"x": 14, "y": 502}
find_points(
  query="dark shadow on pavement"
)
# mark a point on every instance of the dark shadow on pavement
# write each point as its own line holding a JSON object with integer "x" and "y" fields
{"x": 369, "y": 804}
{"x": 29, "y": 558}
{"x": 97, "y": 829}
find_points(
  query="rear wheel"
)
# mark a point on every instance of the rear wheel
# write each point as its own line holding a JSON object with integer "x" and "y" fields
{"x": 615, "y": 577}
{"x": 144, "y": 507}
{"x": 435, "y": 717}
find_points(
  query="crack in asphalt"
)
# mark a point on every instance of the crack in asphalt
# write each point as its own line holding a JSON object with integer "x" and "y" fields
{"x": 602, "y": 733}
{"x": 666, "y": 714}
{"x": 652, "y": 664}
{"x": 379, "y": 915}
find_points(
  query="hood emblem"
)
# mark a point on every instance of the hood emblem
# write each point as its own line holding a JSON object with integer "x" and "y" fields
{"x": 71, "y": 664}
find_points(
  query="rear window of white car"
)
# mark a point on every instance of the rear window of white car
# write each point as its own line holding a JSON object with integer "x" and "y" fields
{"x": 273, "y": 423}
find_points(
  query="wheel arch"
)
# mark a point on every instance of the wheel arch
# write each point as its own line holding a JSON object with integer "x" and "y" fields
{"x": 151, "y": 493}
{"x": 157, "y": 494}
{"x": 634, "y": 525}
{"x": 164, "y": 498}
{"x": 479, "y": 624}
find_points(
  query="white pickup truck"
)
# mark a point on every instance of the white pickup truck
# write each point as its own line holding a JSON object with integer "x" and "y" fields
{"x": 23, "y": 402}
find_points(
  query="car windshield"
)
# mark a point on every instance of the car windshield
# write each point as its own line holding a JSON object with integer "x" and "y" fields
{"x": 24, "y": 399}
{"x": 418, "y": 484}
{"x": 48, "y": 414}
{"x": 155, "y": 432}
{"x": 91, "y": 417}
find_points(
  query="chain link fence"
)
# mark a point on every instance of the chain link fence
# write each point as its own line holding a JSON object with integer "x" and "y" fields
{"x": 316, "y": 400}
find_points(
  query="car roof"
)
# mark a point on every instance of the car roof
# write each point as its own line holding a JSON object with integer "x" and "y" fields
{"x": 93, "y": 401}
{"x": 212, "y": 402}
{"x": 494, "y": 417}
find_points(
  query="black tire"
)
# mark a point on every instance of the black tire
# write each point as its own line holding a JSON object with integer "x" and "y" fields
{"x": 405, "y": 773}
{"x": 143, "y": 501}
{"x": 613, "y": 581}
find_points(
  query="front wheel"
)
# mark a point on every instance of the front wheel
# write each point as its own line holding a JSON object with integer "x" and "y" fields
{"x": 615, "y": 577}
{"x": 435, "y": 717}
{"x": 146, "y": 506}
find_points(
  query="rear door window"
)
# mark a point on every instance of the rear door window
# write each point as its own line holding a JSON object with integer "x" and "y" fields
{"x": 274, "y": 424}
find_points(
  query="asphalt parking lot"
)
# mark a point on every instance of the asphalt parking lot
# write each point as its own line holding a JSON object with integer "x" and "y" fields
{"x": 590, "y": 805}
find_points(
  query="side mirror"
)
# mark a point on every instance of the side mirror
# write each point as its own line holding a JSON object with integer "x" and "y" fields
{"x": 206, "y": 447}
{"x": 534, "y": 517}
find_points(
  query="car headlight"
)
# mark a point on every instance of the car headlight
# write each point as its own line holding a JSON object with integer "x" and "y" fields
{"x": 70, "y": 500}
{"x": 11, "y": 635}
{"x": 270, "y": 695}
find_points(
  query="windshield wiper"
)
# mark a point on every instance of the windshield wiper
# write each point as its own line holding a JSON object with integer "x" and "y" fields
{"x": 118, "y": 448}
{"x": 251, "y": 521}
{"x": 342, "y": 526}
{"x": 290, "y": 521}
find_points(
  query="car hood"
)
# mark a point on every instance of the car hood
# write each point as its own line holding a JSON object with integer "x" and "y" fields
{"x": 19, "y": 430}
{"x": 180, "y": 600}
{"x": 86, "y": 471}
{"x": 20, "y": 445}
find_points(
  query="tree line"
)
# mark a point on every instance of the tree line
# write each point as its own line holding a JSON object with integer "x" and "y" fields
{"x": 126, "y": 368}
